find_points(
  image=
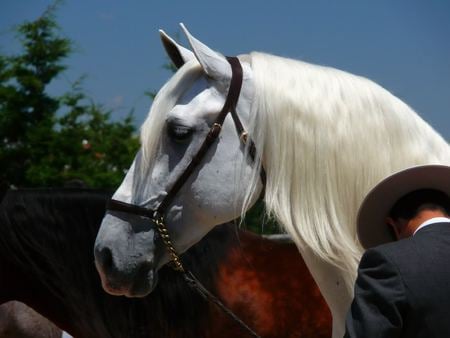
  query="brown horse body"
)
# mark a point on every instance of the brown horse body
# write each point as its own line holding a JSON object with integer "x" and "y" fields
{"x": 46, "y": 262}
{"x": 268, "y": 285}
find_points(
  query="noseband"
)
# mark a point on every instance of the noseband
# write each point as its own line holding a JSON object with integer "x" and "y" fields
{"x": 157, "y": 216}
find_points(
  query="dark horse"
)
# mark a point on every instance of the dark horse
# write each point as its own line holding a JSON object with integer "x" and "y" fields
{"x": 46, "y": 262}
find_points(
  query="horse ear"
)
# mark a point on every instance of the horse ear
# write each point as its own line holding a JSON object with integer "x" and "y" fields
{"x": 214, "y": 64}
{"x": 177, "y": 53}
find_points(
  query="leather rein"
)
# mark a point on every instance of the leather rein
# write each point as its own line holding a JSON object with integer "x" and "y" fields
{"x": 157, "y": 216}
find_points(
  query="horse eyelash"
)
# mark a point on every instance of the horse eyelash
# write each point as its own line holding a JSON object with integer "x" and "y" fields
{"x": 179, "y": 133}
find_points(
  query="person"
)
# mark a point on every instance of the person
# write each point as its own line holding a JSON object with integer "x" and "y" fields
{"x": 403, "y": 283}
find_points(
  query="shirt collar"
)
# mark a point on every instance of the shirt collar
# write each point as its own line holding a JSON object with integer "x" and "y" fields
{"x": 432, "y": 221}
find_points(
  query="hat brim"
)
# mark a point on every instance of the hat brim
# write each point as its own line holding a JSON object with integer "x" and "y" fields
{"x": 371, "y": 220}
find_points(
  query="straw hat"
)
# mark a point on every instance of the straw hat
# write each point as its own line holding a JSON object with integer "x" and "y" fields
{"x": 371, "y": 221}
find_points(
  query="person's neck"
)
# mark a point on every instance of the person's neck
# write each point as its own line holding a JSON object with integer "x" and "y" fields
{"x": 422, "y": 217}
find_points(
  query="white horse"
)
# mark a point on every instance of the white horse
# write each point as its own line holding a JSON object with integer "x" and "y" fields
{"x": 323, "y": 136}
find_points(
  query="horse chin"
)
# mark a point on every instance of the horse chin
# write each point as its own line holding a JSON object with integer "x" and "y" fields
{"x": 142, "y": 285}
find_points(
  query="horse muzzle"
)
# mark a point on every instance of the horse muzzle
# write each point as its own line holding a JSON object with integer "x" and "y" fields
{"x": 125, "y": 259}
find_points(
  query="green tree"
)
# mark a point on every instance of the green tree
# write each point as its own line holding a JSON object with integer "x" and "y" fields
{"x": 49, "y": 140}
{"x": 256, "y": 220}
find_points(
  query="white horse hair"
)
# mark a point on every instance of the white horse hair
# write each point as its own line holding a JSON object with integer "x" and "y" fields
{"x": 326, "y": 137}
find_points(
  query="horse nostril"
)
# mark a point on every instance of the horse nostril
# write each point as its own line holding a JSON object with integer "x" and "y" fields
{"x": 104, "y": 259}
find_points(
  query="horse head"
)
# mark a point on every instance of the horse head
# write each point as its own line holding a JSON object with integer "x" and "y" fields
{"x": 128, "y": 249}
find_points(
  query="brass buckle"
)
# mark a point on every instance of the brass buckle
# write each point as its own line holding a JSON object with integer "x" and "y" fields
{"x": 244, "y": 137}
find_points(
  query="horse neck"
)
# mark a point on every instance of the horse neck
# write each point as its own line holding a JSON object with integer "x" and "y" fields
{"x": 326, "y": 137}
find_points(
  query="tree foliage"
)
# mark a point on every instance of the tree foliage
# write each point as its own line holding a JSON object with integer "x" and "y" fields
{"x": 48, "y": 140}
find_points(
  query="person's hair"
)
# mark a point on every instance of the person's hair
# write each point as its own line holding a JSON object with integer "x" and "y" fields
{"x": 408, "y": 206}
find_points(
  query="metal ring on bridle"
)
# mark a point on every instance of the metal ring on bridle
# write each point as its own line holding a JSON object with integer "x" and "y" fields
{"x": 244, "y": 137}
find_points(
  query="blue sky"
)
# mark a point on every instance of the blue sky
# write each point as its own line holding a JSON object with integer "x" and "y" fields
{"x": 403, "y": 45}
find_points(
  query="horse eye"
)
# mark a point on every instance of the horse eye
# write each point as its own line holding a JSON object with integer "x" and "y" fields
{"x": 179, "y": 133}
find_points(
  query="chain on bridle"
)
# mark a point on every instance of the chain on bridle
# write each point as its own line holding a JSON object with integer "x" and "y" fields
{"x": 157, "y": 216}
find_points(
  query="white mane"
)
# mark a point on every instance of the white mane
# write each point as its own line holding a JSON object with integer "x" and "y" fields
{"x": 326, "y": 137}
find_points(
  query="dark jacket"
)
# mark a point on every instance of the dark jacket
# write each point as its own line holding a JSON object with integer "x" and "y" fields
{"x": 403, "y": 288}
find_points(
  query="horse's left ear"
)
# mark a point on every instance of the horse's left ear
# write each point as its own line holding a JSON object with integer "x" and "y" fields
{"x": 177, "y": 53}
{"x": 214, "y": 64}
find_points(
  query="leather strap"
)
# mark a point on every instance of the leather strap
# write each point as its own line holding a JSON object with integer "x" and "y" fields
{"x": 115, "y": 205}
{"x": 229, "y": 105}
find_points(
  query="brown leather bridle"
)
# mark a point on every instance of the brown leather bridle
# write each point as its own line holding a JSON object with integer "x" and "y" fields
{"x": 157, "y": 216}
